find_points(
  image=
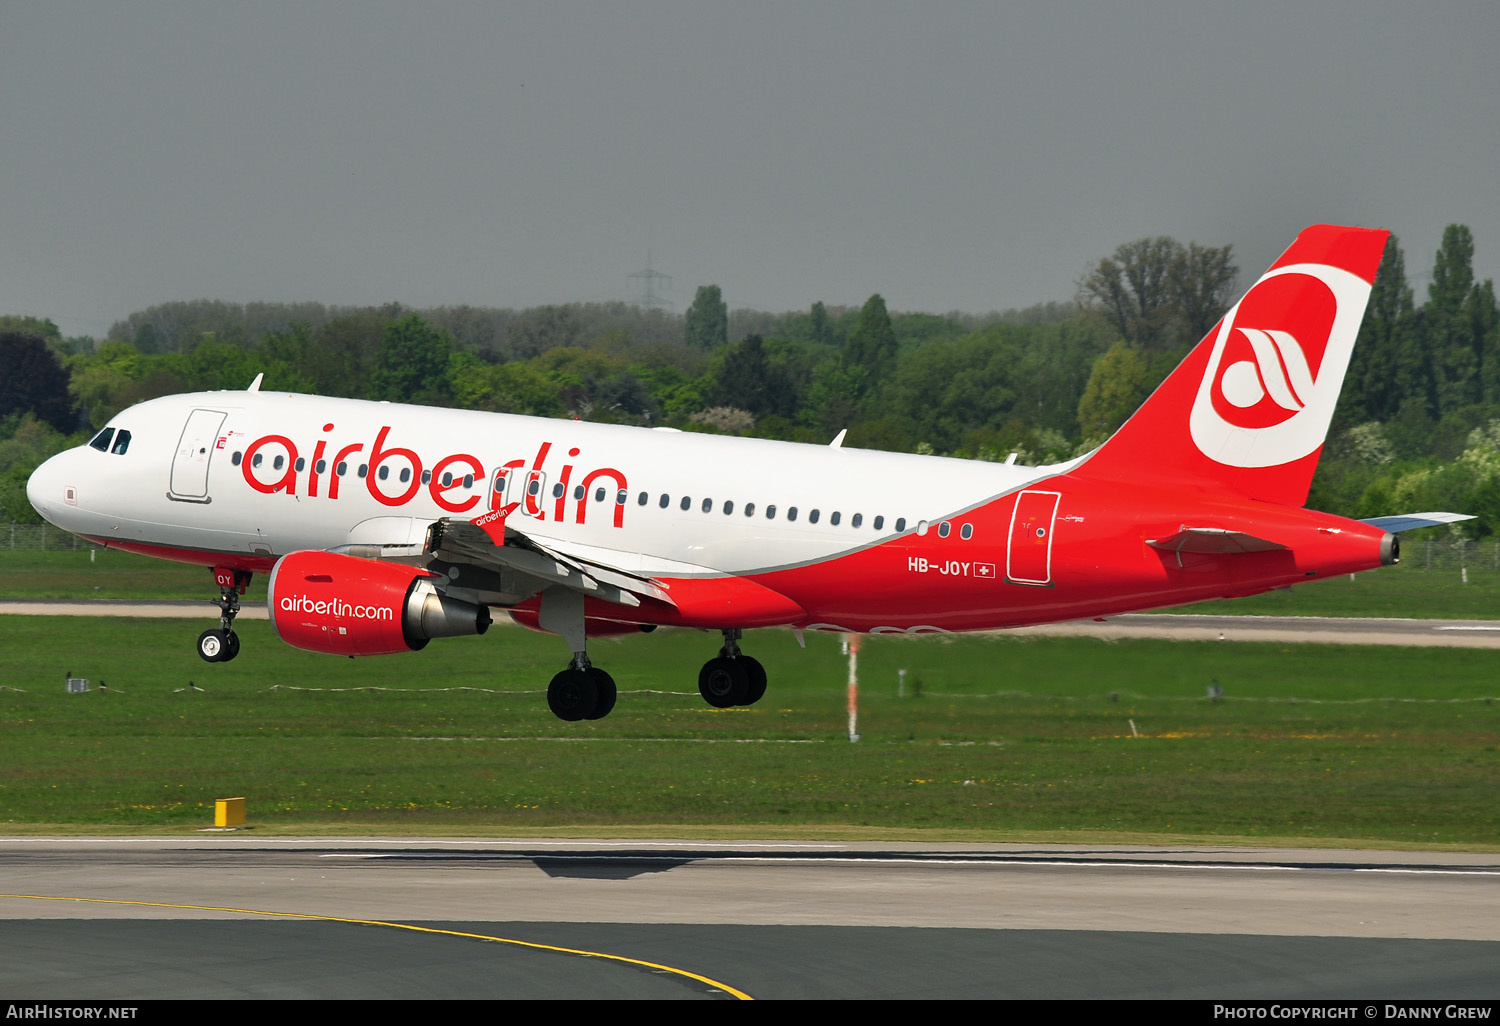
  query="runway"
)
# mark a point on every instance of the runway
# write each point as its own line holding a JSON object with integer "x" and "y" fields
{"x": 1320, "y": 630}
{"x": 241, "y": 916}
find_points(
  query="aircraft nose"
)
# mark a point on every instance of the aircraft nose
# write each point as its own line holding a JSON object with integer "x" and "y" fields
{"x": 46, "y": 489}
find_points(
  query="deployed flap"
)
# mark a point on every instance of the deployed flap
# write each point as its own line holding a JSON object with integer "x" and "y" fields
{"x": 466, "y": 542}
{"x": 1412, "y": 521}
{"x": 1213, "y": 540}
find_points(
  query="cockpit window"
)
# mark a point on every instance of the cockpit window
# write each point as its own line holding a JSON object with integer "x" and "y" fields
{"x": 102, "y": 439}
{"x": 122, "y": 442}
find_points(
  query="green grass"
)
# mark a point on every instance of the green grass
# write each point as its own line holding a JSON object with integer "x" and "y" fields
{"x": 1045, "y": 739}
{"x": 109, "y": 574}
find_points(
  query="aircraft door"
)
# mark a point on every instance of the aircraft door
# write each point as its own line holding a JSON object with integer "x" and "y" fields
{"x": 194, "y": 450}
{"x": 1028, "y": 558}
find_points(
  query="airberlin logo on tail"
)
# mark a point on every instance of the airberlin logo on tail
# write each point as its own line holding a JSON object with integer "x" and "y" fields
{"x": 1277, "y": 364}
{"x": 1268, "y": 386}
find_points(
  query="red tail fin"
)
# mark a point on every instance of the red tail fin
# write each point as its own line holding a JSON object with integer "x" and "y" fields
{"x": 1250, "y": 405}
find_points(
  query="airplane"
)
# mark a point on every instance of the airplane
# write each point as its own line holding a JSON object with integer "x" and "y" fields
{"x": 383, "y": 525}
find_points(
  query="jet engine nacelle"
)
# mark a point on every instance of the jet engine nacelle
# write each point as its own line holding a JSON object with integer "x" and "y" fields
{"x": 342, "y": 605}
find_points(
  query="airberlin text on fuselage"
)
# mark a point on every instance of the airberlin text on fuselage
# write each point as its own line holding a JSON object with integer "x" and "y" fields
{"x": 445, "y": 485}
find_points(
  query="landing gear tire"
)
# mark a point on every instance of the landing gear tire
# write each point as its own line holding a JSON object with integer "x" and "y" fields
{"x": 605, "y": 684}
{"x": 218, "y": 645}
{"x": 573, "y": 694}
{"x": 757, "y": 674}
{"x": 723, "y": 682}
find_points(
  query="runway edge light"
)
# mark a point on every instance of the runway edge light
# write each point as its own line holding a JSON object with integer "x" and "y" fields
{"x": 229, "y": 812}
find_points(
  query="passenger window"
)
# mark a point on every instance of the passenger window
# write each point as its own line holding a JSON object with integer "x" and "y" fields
{"x": 426, "y": 476}
{"x": 812, "y": 518}
{"x": 236, "y": 458}
{"x": 666, "y": 500}
{"x": 300, "y": 464}
{"x": 122, "y": 442}
{"x": 878, "y": 524}
{"x": 921, "y": 527}
{"x": 364, "y": 468}
{"x": 598, "y": 494}
{"x": 533, "y": 487}
{"x": 833, "y": 519}
{"x": 943, "y": 529}
{"x": 856, "y": 520}
{"x": 687, "y": 503}
{"x": 640, "y": 500}
{"x": 558, "y": 489}
{"x": 278, "y": 461}
{"x": 322, "y": 466}
{"x": 749, "y": 509}
{"x": 966, "y": 532}
{"x": 708, "y": 505}
{"x": 900, "y": 525}
{"x": 468, "y": 480}
{"x": 405, "y": 474}
{"x": 447, "y": 480}
{"x": 728, "y": 506}
{"x": 620, "y": 497}
{"x": 791, "y": 513}
{"x": 101, "y": 440}
{"x": 771, "y": 512}
{"x": 340, "y": 470}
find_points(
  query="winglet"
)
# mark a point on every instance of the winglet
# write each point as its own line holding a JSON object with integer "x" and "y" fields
{"x": 255, "y": 385}
{"x": 838, "y": 441}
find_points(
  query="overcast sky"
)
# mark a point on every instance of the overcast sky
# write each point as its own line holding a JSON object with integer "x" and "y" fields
{"x": 951, "y": 156}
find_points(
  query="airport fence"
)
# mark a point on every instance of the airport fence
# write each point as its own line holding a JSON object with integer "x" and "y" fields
{"x": 39, "y": 538}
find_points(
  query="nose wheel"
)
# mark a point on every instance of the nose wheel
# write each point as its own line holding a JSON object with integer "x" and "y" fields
{"x": 218, "y": 645}
{"x": 221, "y": 644}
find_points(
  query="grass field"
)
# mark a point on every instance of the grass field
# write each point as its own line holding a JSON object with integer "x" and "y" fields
{"x": 996, "y": 738}
{"x": 1405, "y": 590}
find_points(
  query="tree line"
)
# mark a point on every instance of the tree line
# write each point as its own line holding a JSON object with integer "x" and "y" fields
{"x": 1418, "y": 425}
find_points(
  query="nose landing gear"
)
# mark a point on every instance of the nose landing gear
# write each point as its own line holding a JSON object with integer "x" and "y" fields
{"x": 221, "y": 644}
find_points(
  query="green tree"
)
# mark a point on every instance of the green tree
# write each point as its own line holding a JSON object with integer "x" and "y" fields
{"x": 1201, "y": 284}
{"x": 412, "y": 364}
{"x": 1159, "y": 295}
{"x": 1448, "y": 325}
{"x": 872, "y": 344}
{"x": 1133, "y": 290}
{"x": 33, "y": 381}
{"x": 706, "y": 324}
{"x": 1389, "y": 366}
{"x": 1121, "y": 381}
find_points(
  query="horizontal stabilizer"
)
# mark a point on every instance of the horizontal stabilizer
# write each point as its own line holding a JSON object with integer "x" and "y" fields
{"x": 1412, "y": 521}
{"x": 1213, "y": 541}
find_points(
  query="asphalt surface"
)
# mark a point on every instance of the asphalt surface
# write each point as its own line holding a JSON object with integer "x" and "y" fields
{"x": 235, "y": 915}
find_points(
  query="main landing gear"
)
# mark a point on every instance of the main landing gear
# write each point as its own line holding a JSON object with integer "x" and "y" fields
{"x": 221, "y": 644}
{"x": 732, "y": 679}
{"x": 585, "y": 692}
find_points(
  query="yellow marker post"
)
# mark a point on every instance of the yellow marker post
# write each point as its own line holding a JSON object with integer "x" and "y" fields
{"x": 229, "y": 812}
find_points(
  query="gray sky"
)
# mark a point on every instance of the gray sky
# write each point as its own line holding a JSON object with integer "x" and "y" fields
{"x": 968, "y": 156}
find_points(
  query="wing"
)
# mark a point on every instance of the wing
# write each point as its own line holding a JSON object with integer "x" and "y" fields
{"x": 488, "y": 545}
